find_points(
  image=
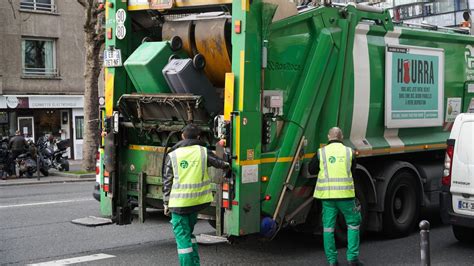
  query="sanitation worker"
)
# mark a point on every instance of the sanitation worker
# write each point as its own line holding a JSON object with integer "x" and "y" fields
{"x": 187, "y": 189}
{"x": 334, "y": 164}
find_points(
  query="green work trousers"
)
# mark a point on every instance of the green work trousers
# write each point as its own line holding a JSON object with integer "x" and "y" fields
{"x": 183, "y": 227}
{"x": 352, "y": 216}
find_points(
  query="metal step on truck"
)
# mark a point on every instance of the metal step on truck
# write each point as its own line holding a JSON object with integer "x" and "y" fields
{"x": 265, "y": 80}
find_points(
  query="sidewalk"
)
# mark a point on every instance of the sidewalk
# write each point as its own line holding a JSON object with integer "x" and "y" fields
{"x": 54, "y": 177}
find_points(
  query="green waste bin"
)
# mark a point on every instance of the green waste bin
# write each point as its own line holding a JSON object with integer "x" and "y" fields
{"x": 145, "y": 65}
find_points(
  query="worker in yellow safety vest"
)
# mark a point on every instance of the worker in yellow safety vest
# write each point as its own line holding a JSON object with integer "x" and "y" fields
{"x": 187, "y": 189}
{"x": 334, "y": 164}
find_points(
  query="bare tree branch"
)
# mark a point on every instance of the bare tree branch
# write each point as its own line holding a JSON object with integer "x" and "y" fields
{"x": 13, "y": 8}
{"x": 82, "y": 3}
{"x": 94, "y": 38}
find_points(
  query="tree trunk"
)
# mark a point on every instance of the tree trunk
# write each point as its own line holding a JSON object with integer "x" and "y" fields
{"x": 91, "y": 101}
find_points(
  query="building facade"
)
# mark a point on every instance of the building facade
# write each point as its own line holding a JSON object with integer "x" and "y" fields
{"x": 447, "y": 13}
{"x": 41, "y": 70}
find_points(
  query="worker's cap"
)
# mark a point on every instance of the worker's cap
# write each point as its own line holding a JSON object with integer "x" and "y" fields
{"x": 191, "y": 131}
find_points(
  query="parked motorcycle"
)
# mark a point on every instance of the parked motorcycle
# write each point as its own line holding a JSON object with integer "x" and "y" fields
{"x": 28, "y": 162}
{"x": 26, "y": 165}
{"x": 5, "y": 169}
{"x": 54, "y": 158}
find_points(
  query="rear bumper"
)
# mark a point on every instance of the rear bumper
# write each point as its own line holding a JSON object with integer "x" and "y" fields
{"x": 96, "y": 192}
{"x": 449, "y": 216}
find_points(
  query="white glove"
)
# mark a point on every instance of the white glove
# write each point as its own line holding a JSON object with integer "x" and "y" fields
{"x": 166, "y": 210}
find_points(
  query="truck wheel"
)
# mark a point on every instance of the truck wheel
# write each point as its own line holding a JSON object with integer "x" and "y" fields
{"x": 463, "y": 234}
{"x": 341, "y": 228}
{"x": 401, "y": 205}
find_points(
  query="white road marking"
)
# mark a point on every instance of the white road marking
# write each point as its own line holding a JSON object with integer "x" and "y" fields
{"x": 391, "y": 135}
{"x": 360, "y": 113}
{"x": 44, "y": 203}
{"x": 82, "y": 259}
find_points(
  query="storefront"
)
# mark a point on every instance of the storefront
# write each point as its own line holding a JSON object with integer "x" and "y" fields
{"x": 42, "y": 115}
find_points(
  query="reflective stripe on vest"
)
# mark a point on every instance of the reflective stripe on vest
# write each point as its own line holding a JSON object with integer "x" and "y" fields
{"x": 191, "y": 183}
{"x": 335, "y": 178}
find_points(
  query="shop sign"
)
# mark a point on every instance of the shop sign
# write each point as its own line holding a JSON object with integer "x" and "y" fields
{"x": 17, "y": 102}
{"x": 56, "y": 102}
{"x": 12, "y": 102}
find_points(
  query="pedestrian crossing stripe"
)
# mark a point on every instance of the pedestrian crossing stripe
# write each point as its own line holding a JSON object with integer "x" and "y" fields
{"x": 94, "y": 257}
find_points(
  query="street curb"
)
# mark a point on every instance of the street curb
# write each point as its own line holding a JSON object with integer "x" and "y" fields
{"x": 68, "y": 175}
{"x": 34, "y": 181}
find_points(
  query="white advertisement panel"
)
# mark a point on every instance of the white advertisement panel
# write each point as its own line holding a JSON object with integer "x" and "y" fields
{"x": 414, "y": 86}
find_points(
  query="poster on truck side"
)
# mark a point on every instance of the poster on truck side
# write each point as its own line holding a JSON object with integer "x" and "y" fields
{"x": 414, "y": 86}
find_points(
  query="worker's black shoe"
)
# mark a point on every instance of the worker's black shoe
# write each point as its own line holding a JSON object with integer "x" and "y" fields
{"x": 334, "y": 264}
{"x": 355, "y": 263}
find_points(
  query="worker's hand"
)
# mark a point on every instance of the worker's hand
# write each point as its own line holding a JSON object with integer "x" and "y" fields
{"x": 166, "y": 210}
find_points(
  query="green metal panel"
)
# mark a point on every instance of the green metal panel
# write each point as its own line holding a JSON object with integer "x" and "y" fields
{"x": 244, "y": 218}
{"x": 122, "y": 84}
{"x": 133, "y": 162}
{"x": 105, "y": 201}
{"x": 117, "y": 83}
{"x": 454, "y": 46}
{"x": 289, "y": 69}
{"x": 468, "y": 98}
{"x": 377, "y": 38}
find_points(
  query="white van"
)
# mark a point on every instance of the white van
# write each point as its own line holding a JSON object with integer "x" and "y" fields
{"x": 457, "y": 196}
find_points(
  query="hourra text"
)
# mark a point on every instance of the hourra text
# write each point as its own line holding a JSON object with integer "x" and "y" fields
{"x": 415, "y": 71}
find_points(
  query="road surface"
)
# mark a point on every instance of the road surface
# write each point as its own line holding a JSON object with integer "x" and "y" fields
{"x": 35, "y": 227}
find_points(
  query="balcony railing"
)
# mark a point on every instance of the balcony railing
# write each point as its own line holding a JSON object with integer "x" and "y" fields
{"x": 43, "y": 7}
{"x": 41, "y": 72}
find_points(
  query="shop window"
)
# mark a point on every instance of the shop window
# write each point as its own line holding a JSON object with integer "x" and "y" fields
{"x": 38, "y": 5}
{"x": 39, "y": 57}
{"x": 79, "y": 127}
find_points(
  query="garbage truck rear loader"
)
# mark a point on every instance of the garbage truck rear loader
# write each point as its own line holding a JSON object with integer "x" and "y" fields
{"x": 265, "y": 82}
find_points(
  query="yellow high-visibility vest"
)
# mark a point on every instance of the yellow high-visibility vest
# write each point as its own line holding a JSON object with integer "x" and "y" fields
{"x": 335, "y": 178}
{"x": 191, "y": 183}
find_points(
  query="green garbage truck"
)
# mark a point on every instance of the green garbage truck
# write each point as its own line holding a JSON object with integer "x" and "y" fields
{"x": 265, "y": 81}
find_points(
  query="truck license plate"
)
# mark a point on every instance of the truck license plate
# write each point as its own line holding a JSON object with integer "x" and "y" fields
{"x": 112, "y": 58}
{"x": 466, "y": 205}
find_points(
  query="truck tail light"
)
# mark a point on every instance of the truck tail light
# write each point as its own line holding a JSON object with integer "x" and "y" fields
{"x": 106, "y": 181}
{"x": 448, "y": 161}
{"x": 97, "y": 167}
{"x": 225, "y": 196}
